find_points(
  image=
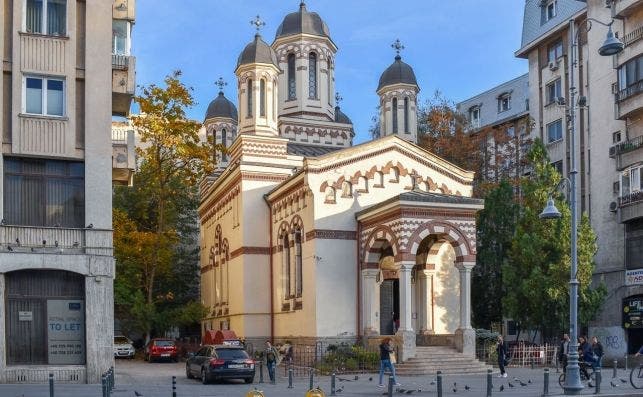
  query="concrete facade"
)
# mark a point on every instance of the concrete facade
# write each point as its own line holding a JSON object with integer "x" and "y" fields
{"x": 71, "y": 46}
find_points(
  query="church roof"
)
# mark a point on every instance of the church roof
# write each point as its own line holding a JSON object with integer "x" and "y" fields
{"x": 340, "y": 117}
{"x": 257, "y": 51}
{"x": 300, "y": 149}
{"x": 302, "y": 21}
{"x": 398, "y": 73}
{"x": 221, "y": 107}
{"x": 419, "y": 196}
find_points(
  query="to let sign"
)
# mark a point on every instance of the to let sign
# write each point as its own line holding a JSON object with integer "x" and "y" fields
{"x": 634, "y": 277}
{"x": 633, "y": 312}
{"x": 66, "y": 331}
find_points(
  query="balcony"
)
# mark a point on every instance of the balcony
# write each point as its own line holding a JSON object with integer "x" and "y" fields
{"x": 55, "y": 240}
{"x": 623, "y": 8}
{"x": 627, "y": 153}
{"x": 124, "y": 9}
{"x": 633, "y": 36}
{"x": 629, "y": 100}
{"x": 630, "y": 206}
{"x": 123, "y": 83}
{"x": 123, "y": 154}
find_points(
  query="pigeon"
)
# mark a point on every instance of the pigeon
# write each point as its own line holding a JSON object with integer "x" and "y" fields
{"x": 529, "y": 381}
{"x": 623, "y": 380}
{"x": 356, "y": 377}
{"x": 18, "y": 242}
{"x": 410, "y": 391}
{"x": 137, "y": 394}
{"x": 467, "y": 388}
{"x": 400, "y": 390}
{"x": 339, "y": 390}
{"x": 370, "y": 379}
{"x": 9, "y": 248}
{"x": 455, "y": 384}
{"x": 523, "y": 383}
{"x": 613, "y": 384}
{"x": 432, "y": 383}
{"x": 90, "y": 226}
{"x": 502, "y": 387}
{"x": 510, "y": 384}
{"x": 455, "y": 390}
{"x": 56, "y": 243}
{"x": 76, "y": 244}
{"x": 44, "y": 242}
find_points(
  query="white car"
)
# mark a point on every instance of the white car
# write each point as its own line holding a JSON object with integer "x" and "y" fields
{"x": 123, "y": 347}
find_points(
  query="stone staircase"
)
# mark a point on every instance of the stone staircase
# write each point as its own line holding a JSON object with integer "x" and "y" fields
{"x": 429, "y": 359}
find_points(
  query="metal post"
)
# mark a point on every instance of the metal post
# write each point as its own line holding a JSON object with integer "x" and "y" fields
{"x": 261, "y": 372}
{"x": 390, "y": 386}
{"x": 625, "y": 362}
{"x": 103, "y": 382}
{"x": 557, "y": 369}
{"x": 290, "y": 378}
{"x": 615, "y": 362}
{"x": 174, "y": 386}
{"x": 599, "y": 378}
{"x": 532, "y": 363}
{"x": 311, "y": 379}
{"x": 332, "y": 384}
{"x": 111, "y": 379}
{"x": 546, "y": 382}
{"x": 439, "y": 381}
{"x": 51, "y": 385}
{"x": 489, "y": 384}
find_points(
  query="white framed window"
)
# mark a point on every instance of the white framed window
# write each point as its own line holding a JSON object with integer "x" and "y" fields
{"x": 44, "y": 96}
{"x": 474, "y": 117}
{"x": 555, "y": 51}
{"x": 121, "y": 37}
{"x": 631, "y": 180}
{"x": 550, "y": 10}
{"x": 504, "y": 103}
{"x": 46, "y": 17}
{"x": 553, "y": 91}
{"x": 555, "y": 131}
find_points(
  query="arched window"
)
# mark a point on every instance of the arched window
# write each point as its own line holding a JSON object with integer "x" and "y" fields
{"x": 395, "y": 175}
{"x": 329, "y": 81}
{"x": 312, "y": 75}
{"x": 286, "y": 266}
{"x": 406, "y": 115}
{"x": 292, "y": 79}
{"x": 330, "y": 194}
{"x": 225, "y": 276}
{"x": 274, "y": 100}
{"x": 362, "y": 184}
{"x": 224, "y": 143}
{"x": 262, "y": 98}
{"x": 250, "y": 94}
{"x": 347, "y": 189}
{"x": 379, "y": 179}
{"x": 394, "y": 111}
{"x": 298, "y": 264}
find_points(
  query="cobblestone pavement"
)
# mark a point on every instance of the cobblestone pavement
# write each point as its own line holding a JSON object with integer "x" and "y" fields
{"x": 155, "y": 380}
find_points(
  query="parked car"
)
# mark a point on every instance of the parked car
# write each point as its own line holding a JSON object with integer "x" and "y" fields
{"x": 161, "y": 348}
{"x": 215, "y": 362}
{"x": 123, "y": 347}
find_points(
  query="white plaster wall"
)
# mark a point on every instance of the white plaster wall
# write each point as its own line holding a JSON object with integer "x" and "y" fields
{"x": 446, "y": 303}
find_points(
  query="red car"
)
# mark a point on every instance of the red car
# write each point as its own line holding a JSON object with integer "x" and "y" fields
{"x": 161, "y": 349}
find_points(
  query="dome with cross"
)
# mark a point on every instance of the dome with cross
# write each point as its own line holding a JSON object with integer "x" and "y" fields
{"x": 304, "y": 22}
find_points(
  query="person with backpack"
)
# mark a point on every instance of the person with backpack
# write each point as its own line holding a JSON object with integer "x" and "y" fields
{"x": 271, "y": 360}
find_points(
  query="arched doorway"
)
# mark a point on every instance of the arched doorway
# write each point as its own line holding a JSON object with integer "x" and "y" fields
{"x": 389, "y": 291}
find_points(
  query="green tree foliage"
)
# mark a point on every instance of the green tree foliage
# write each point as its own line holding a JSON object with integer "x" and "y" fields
{"x": 155, "y": 233}
{"x": 496, "y": 225}
{"x": 537, "y": 272}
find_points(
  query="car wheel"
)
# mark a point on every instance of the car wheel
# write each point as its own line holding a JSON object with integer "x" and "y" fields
{"x": 248, "y": 380}
{"x": 204, "y": 376}
{"x": 187, "y": 371}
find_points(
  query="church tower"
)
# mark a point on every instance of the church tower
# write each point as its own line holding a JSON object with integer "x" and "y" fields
{"x": 257, "y": 75}
{"x": 398, "y": 91}
{"x": 220, "y": 123}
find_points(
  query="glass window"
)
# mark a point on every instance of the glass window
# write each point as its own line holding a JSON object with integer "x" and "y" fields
{"x": 558, "y": 166}
{"x": 262, "y": 98}
{"x": 553, "y": 91}
{"x": 44, "y": 193}
{"x": 555, "y": 51}
{"x": 55, "y": 97}
{"x": 224, "y": 142}
{"x": 635, "y": 178}
{"x": 46, "y": 102}
{"x": 625, "y": 183}
{"x": 312, "y": 75}
{"x": 504, "y": 103}
{"x": 232, "y": 354}
{"x": 555, "y": 131}
{"x": 551, "y": 10}
{"x": 474, "y": 117}
{"x": 298, "y": 264}
{"x": 53, "y": 24}
{"x": 250, "y": 95}
{"x": 286, "y": 266}
{"x": 406, "y": 115}
{"x": 33, "y": 96}
{"x": 120, "y": 33}
{"x": 634, "y": 244}
{"x": 630, "y": 73}
{"x": 292, "y": 79}
{"x": 394, "y": 111}
{"x": 34, "y": 16}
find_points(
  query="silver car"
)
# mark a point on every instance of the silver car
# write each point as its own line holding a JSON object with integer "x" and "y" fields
{"x": 123, "y": 347}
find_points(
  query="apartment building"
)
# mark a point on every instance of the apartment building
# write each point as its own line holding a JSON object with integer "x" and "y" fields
{"x": 609, "y": 139}
{"x": 59, "y": 93}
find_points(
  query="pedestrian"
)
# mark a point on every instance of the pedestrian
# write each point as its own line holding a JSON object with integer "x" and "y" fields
{"x": 271, "y": 360}
{"x": 387, "y": 356}
{"x": 563, "y": 351}
{"x": 585, "y": 354}
{"x": 597, "y": 351}
{"x": 502, "y": 357}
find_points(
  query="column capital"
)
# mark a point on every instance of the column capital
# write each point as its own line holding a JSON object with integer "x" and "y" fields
{"x": 406, "y": 266}
{"x": 425, "y": 273}
{"x": 465, "y": 266}
{"x": 370, "y": 273}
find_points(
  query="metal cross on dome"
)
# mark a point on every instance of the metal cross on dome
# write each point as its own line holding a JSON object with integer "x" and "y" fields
{"x": 258, "y": 23}
{"x": 221, "y": 83}
{"x": 338, "y": 99}
{"x": 397, "y": 46}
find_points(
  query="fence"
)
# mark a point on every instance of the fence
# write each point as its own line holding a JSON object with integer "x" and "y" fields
{"x": 521, "y": 355}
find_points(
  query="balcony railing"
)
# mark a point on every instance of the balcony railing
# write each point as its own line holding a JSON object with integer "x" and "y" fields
{"x": 626, "y": 146}
{"x": 631, "y": 198}
{"x": 119, "y": 135}
{"x": 120, "y": 61}
{"x": 55, "y": 240}
{"x": 630, "y": 91}
{"x": 633, "y": 36}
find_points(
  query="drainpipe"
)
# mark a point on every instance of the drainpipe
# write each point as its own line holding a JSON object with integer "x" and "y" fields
{"x": 272, "y": 287}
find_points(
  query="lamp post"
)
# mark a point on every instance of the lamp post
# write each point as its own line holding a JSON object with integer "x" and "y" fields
{"x": 611, "y": 46}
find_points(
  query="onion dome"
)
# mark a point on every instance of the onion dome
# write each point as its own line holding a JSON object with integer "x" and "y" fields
{"x": 221, "y": 107}
{"x": 302, "y": 21}
{"x": 258, "y": 51}
{"x": 340, "y": 117}
{"x": 398, "y": 73}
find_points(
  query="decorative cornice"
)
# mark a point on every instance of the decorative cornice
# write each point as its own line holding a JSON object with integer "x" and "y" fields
{"x": 329, "y": 234}
{"x": 249, "y": 251}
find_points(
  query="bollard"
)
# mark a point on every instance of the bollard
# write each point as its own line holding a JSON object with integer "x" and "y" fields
{"x": 312, "y": 378}
{"x": 103, "y": 381}
{"x": 546, "y": 382}
{"x": 615, "y": 363}
{"x": 174, "y": 386}
{"x": 626, "y": 363}
{"x": 489, "y": 384}
{"x": 599, "y": 378}
{"x": 261, "y": 372}
{"x": 439, "y": 381}
{"x": 290, "y": 378}
{"x": 51, "y": 385}
{"x": 390, "y": 386}
{"x": 332, "y": 384}
{"x": 111, "y": 379}
{"x": 532, "y": 363}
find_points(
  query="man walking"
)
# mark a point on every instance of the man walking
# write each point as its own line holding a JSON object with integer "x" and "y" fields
{"x": 271, "y": 360}
{"x": 563, "y": 351}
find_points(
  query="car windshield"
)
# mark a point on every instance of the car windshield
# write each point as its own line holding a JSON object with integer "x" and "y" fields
{"x": 232, "y": 354}
{"x": 164, "y": 343}
{"x": 121, "y": 340}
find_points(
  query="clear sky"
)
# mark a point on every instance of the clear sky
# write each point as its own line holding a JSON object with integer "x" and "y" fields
{"x": 460, "y": 47}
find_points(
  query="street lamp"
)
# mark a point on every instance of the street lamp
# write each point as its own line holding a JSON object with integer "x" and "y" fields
{"x": 611, "y": 46}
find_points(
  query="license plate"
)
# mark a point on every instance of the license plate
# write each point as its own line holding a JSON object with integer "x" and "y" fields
{"x": 165, "y": 355}
{"x": 236, "y": 365}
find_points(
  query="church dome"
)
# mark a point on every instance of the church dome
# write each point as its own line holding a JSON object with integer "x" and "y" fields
{"x": 340, "y": 117}
{"x": 257, "y": 52}
{"x": 302, "y": 21}
{"x": 398, "y": 73}
{"x": 221, "y": 107}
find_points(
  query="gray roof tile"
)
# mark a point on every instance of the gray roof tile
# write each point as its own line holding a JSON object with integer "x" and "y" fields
{"x": 534, "y": 26}
{"x": 301, "y": 149}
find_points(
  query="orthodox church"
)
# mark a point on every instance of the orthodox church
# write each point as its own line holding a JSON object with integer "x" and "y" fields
{"x": 305, "y": 237}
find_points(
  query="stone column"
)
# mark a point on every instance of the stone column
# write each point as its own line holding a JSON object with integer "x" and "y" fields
{"x": 370, "y": 323}
{"x": 425, "y": 312}
{"x": 405, "y": 335}
{"x": 465, "y": 335}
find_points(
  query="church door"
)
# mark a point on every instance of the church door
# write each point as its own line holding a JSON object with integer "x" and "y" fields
{"x": 389, "y": 305}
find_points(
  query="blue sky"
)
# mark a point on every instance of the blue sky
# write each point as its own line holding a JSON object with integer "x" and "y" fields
{"x": 460, "y": 47}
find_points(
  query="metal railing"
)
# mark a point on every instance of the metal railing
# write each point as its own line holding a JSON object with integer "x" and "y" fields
{"x": 631, "y": 198}
{"x": 634, "y": 36}
{"x": 630, "y": 91}
{"x": 628, "y": 146}
{"x": 120, "y": 61}
{"x": 521, "y": 355}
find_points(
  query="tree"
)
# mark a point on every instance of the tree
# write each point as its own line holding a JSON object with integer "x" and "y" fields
{"x": 149, "y": 238}
{"x": 374, "y": 129}
{"x": 496, "y": 225}
{"x": 538, "y": 268}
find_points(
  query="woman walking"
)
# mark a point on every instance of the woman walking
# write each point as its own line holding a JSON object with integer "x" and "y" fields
{"x": 502, "y": 357}
{"x": 385, "y": 361}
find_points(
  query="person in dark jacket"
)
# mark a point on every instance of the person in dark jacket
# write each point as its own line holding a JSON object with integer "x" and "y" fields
{"x": 385, "y": 361}
{"x": 585, "y": 354}
{"x": 502, "y": 357}
{"x": 563, "y": 352}
{"x": 597, "y": 350}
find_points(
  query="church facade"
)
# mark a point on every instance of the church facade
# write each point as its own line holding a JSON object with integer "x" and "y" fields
{"x": 305, "y": 237}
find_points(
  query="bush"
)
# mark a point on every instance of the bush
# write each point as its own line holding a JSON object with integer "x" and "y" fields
{"x": 345, "y": 357}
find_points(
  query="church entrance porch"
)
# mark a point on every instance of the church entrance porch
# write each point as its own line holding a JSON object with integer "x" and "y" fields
{"x": 419, "y": 247}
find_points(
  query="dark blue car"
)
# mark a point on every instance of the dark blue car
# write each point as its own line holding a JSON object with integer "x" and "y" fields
{"x": 216, "y": 362}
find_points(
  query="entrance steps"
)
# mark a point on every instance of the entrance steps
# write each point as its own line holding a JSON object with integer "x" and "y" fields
{"x": 430, "y": 359}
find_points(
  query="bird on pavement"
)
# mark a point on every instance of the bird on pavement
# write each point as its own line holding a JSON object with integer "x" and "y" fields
{"x": 370, "y": 379}
{"x": 432, "y": 383}
{"x": 502, "y": 387}
{"x": 613, "y": 384}
{"x": 339, "y": 390}
{"x": 623, "y": 380}
{"x": 455, "y": 390}
{"x": 510, "y": 384}
{"x": 137, "y": 394}
{"x": 523, "y": 383}
{"x": 529, "y": 381}
{"x": 467, "y": 388}
{"x": 356, "y": 377}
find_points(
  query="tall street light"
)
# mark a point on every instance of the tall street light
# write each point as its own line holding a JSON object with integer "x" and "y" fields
{"x": 611, "y": 46}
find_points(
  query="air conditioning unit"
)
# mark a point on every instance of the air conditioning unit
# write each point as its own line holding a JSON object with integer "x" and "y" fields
{"x": 553, "y": 66}
{"x": 613, "y": 206}
{"x": 613, "y": 151}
